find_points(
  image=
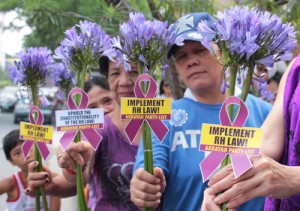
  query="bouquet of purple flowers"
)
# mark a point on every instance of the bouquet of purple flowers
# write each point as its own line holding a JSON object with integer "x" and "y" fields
{"x": 246, "y": 38}
{"x": 30, "y": 71}
{"x": 78, "y": 52}
{"x": 144, "y": 43}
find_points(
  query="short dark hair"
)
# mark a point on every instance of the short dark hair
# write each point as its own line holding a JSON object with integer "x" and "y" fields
{"x": 161, "y": 86}
{"x": 10, "y": 141}
{"x": 96, "y": 81}
{"x": 277, "y": 77}
{"x": 104, "y": 64}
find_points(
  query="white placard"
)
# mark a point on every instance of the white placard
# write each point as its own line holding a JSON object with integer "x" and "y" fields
{"x": 79, "y": 119}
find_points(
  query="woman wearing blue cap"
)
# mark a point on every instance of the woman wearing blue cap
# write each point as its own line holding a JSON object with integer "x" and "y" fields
{"x": 177, "y": 175}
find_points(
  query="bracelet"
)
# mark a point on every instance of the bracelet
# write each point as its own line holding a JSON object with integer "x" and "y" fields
{"x": 71, "y": 171}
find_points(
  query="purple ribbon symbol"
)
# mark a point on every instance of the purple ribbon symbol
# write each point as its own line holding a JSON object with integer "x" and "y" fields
{"x": 134, "y": 125}
{"x": 26, "y": 147}
{"x": 90, "y": 134}
{"x": 240, "y": 162}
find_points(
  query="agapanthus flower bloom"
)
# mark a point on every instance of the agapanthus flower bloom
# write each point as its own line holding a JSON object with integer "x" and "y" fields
{"x": 251, "y": 36}
{"x": 32, "y": 67}
{"x": 62, "y": 76}
{"x": 144, "y": 41}
{"x": 84, "y": 47}
{"x": 264, "y": 93}
{"x": 30, "y": 71}
{"x": 247, "y": 37}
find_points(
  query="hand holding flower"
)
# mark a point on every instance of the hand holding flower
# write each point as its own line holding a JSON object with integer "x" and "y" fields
{"x": 31, "y": 71}
{"x": 37, "y": 179}
{"x": 266, "y": 178}
{"x": 79, "y": 52}
{"x": 146, "y": 189}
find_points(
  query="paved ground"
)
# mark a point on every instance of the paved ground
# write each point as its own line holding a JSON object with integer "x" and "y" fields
{"x": 6, "y": 169}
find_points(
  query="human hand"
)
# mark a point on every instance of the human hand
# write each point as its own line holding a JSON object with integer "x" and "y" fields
{"x": 208, "y": 203}
{"x": 77, "y": 153}
{"x": 146, "y": 189}
{"x": 37, "y": 179}
{"x": 265, "y": 178}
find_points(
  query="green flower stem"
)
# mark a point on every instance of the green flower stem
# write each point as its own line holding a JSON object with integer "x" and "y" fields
{"x": 247, "y": 82}
{"x": 41, "y": 190}
{"x": 148, "y": 155}
{"x": 82, "y": 205}
{"x": 147, "y": 139}
{"x": 232, "y": 79}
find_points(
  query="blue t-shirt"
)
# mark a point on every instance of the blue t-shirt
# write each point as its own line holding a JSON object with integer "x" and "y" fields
{"x": 179, "y": 156}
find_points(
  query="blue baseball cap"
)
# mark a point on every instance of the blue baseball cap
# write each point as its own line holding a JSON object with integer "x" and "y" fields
{"x": 186, "y": 27}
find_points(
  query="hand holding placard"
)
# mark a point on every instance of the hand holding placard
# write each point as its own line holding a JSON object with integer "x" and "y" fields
{"x": 236, "y": 141}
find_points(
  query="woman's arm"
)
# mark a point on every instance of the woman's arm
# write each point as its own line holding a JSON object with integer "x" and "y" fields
{"x": 55, "y": 184}
{"x": 77, "y": 153}
{"x": 273, "y": 127}
{"x": 55, "y": 203}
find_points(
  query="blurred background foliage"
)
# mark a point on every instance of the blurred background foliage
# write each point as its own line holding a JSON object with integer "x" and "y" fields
{"x": 48, "y": 19}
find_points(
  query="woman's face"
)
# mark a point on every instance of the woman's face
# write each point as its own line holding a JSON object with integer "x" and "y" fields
{"x": 167, "y": 90}
{"x": 197, "y": 67}
{"x": 101, "y": 98}
{"x": 121, "y": 83}
{"x": 260, "y": 70}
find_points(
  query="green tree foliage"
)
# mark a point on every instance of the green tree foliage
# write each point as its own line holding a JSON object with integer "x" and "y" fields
{"x": 49, "y": 18}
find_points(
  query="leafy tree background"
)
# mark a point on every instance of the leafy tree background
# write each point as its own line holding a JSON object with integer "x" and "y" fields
{"x": 48, "y": 19}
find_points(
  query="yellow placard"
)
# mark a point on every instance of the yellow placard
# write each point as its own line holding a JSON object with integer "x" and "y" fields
{"x": 229, "y": 139}
{"x": 38, "y": 133}
{"x": 146, "y": 108}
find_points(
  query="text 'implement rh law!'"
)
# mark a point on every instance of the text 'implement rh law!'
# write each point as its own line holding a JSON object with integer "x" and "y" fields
{"x": 38, "y": 133}
{"x": 229, "y": 139}
{"x": 146, "y": 108}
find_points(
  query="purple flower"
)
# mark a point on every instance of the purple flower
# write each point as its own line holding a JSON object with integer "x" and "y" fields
{"x": 164, "y": 68}
{"x": 62, "y": 76}
{"x": 32, "y": 67}
{"x": 83, "y": 45}
{"x": 144, "y": 41}
{"x": 45, "y": 102}
{"x": 264, "y": 93}
{"x": 206, "y": 43}
{"x": 250, "y": 36}
{"x": 259, "y": 79}
{"x": 225, "y": 85}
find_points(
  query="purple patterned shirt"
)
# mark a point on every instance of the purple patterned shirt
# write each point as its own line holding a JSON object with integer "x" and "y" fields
{"x": 112, "y": 173}
{"x": 291, "y": 156}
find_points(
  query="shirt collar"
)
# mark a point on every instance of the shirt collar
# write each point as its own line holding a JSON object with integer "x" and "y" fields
{"x": 188, "y": 93}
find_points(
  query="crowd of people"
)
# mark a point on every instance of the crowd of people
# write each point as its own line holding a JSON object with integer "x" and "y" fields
{"x": 115, "y": 171}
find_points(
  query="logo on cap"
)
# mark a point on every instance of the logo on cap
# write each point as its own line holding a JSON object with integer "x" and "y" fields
{"x": 195, "y": 35}
{"x": 185, "y": 23}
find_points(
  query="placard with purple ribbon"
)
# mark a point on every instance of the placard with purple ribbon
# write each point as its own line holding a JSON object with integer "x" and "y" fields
{"x": 79, "y": 118}
{"x": 35, "y": 132}
{"x": 229, "y": 138}
{"x": 145, "y": 107}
